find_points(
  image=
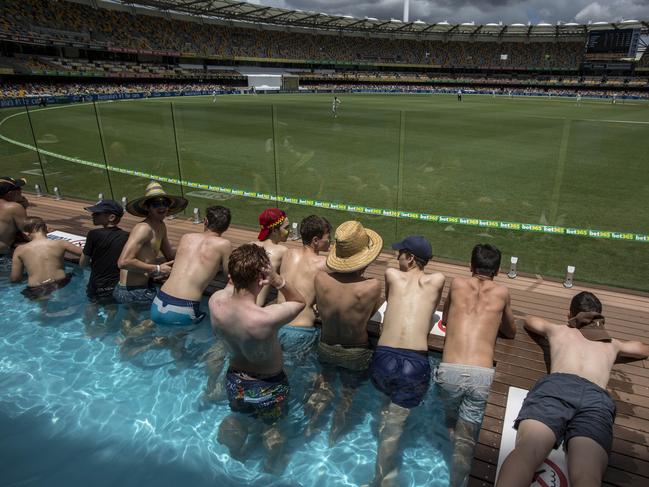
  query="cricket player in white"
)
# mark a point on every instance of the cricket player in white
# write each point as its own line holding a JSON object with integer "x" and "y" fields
{"x": 214, "y": 96}
{"x": 334, "y": 106}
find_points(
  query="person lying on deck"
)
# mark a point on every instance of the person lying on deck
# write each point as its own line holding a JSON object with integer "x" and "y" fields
{"x": 571, "y": 404}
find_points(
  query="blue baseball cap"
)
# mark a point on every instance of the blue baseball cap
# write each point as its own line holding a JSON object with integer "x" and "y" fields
{"x": 416, "y": 245}
{"x": 106, "y": 206}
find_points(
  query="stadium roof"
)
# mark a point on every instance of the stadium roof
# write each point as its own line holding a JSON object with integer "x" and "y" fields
{"x": 260, "y": 14}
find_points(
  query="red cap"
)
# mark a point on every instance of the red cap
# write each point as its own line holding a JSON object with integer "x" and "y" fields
{"x": 269, "y": 219}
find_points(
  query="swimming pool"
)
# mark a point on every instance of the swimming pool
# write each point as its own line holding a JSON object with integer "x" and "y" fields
{"x": 75, "y": 411}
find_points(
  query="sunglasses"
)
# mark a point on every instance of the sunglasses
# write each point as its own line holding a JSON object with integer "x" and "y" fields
{"x": 161, "y": 203}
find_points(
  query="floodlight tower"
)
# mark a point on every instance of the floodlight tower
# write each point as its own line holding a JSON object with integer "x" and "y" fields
{"x": 406, "y": 10}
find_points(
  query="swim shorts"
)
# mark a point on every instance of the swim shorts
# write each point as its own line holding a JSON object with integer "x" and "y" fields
{"x": 298, "y": 341}
{"x": 401, "y": 374}
{"x": 169, "y": 310}
{"x": 465, "y": 389}
{"x": 571, "y": 406}
{"x": 134, "y": 294}
{"x": 263, "y": 397}
{"x": 352, "y": 358}
{"x": 45, "y": 289}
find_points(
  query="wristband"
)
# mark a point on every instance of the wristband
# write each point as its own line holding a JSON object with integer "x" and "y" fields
{"x": 282, "y": 285}
{"x": 157, "y": 269}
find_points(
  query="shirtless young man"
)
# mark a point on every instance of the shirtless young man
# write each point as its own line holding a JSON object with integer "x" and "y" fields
{"x": 400, "y": 367}
{"x": 139, "y": 259}
{"x": 43, "y": 260}
{"x": 256, "y": 383}
{"x": 274, "y": 229}
{"x": 198, "y": 259}
{"x": 476, "y": 309}
{"x": 300, "y": 267}
{"x": 345, "y": 301}
{"x": 12, "y": 217}
{"x": 571, "y": 404}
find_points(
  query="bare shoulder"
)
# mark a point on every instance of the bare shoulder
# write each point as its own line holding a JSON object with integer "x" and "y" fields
{"x": 141, "y": 230}
{"x": 436, "y": 279}
{"x": 391, "y": 273}
{"x": 372, "y": 286}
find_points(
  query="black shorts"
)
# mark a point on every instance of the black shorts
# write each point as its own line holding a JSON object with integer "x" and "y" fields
{"x": 571, "y": 406}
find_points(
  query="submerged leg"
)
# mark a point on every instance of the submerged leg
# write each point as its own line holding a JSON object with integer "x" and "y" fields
{"x": 321, "y": 396}
{"x": 233, "y": 432}
{"x": 274, "y": 442}
{"x": 464, "y": 440}
{"x": 393, "y": 418}
{"x": 339, "y": 424}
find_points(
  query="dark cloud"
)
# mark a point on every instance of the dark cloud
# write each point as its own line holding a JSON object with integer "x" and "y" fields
{"x": 480, "y": 11}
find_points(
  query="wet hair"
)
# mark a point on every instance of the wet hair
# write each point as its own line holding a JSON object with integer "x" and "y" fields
{"x": 313, "y": 226}
{"x": 585, "y": 301}
{"x": 485, "y": 260}
{"x": 246, "y": 264}
{"x": 34, "y": 224}
{"x": 218, "y": 218}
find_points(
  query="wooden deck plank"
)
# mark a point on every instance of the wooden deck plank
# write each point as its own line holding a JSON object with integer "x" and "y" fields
{"x": 519, "y": 362}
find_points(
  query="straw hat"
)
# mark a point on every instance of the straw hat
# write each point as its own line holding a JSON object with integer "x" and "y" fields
{"x": 354, "y": 247}
{"x": 153, "y": 190}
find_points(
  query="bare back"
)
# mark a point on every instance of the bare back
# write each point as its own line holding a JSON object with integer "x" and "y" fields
{"x": 571, "y": 353}
{"x": 412, "y": 297}
{"x": 250, "y": 331}
{"x": 275, "y": 254}
{"x": 300, "y": 266}
{"x": 345, "y": 303}
{"x": 473, "y": 314}
{"x": 43, "y": 260}
{"x": 12, "y": 217}
{"x": 198, "y": 259}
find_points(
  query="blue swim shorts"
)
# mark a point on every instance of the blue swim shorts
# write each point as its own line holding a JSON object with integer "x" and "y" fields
{"x": 571, "y": 406}
{"x": 401, "y": 374}
{"x": 169, "y": 310}
{"x": 298, "y": 341}
{"x": 260, "y": 396}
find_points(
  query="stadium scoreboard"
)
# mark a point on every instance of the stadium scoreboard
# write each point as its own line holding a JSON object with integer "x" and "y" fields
{"x": 622, "y": 42}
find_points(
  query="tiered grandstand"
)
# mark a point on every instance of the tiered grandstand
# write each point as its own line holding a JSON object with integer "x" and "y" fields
{"x": 51, "y": 42}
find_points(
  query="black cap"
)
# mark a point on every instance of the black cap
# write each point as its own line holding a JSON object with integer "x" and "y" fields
{"x": 9, "y": 184}
{"x": 106, "y": 206}
{"x": 416, "y": 245}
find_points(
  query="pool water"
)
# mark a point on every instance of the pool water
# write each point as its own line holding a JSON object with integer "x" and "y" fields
{"x": 76, "y": 411}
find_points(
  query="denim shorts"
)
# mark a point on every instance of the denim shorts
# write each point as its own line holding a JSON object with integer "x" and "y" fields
{"x": 571, "y": 406}
{"x": 465, "y": 388}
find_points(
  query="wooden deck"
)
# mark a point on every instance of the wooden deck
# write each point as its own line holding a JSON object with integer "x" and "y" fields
{"x": 519, "y": 362}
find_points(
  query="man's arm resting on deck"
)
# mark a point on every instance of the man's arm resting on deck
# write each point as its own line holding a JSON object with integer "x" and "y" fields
{"x": 538, "y": 325}
{"x": 71, "y": 248}
{"x": 633, "y": 349}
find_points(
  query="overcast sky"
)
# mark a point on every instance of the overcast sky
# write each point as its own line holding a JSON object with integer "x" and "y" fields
{"x": 480, "y": 11}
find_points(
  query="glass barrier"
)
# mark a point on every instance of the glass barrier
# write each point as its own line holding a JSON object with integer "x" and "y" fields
{"x": 418, "y": 156}
{"x": 228, "y": 144}
{"x": 18, "y": 157}
{"x": 139, "y": 136}
{"x": 70, "y": 150}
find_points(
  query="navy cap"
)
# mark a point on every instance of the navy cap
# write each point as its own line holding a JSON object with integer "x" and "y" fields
{"x": 9, "y": 184}
{"x": 106, "y": 206}
{"x": 416, "y": 245}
